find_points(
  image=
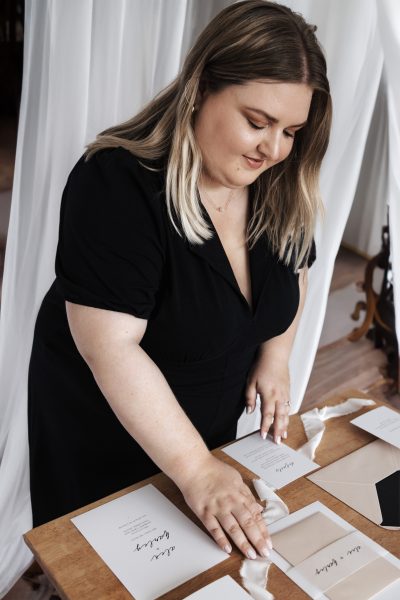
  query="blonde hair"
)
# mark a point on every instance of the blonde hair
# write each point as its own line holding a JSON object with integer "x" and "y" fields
{"x": 247, "y": 41}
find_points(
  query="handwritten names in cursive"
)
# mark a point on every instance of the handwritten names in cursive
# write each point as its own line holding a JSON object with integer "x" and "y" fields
{"x": 284, "y": 467}
{"x": 152, "y": 542}
{"x": 335, "y": 562}
{"x": 166, "y": 552}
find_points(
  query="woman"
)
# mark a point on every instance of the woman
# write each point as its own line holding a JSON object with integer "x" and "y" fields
{"x": 184, "y": 240}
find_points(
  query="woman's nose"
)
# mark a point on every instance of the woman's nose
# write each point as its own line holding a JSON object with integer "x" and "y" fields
{"x": 271, "y": 145}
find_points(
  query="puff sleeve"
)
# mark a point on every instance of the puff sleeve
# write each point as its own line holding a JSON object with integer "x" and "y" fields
{"x": 111, "y": 246}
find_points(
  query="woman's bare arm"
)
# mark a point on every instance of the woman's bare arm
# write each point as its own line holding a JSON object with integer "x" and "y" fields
{"x": 140, "y": 396}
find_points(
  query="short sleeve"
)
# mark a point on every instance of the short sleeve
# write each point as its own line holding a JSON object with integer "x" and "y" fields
{"x": 309, "y": 261}
{"x": 111, "y": 246}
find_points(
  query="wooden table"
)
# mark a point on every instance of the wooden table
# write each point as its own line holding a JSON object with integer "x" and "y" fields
{"x": 79, "y": 573}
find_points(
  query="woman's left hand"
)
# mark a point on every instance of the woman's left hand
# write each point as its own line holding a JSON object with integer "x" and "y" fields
{"x": 271, "y": 380}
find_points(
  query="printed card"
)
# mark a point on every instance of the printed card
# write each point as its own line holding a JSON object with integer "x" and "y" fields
{"x": 276, "y": 464}
{"x": 149, "y": 544}
{"x": 383, "y": 422}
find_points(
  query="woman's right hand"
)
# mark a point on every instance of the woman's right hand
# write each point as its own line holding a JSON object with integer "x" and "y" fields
{"x": 217, "y": 494}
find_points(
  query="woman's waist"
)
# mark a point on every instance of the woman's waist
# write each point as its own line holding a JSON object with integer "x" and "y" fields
{"x": 229, "y": 367}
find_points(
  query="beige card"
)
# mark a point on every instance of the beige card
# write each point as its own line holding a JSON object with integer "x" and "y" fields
{"x": 337, "y": 561}
{"x": 301, "y": 540}
{"x": 366, "y": 582}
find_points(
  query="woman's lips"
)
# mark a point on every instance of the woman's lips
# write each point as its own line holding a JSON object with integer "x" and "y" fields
{"x": 254, "y": 163}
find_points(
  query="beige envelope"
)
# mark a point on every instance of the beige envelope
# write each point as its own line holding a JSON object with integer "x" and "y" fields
{"x": 352, "y": 479}
{"x": 301, "y": 540}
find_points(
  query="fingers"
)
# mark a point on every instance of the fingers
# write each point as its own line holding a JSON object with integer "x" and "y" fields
{"x": 247, "y": 530}
{"x": 245, "y": 526}
{"x": 251, "y": 396}
{"x": 267, "y": 416}
{"x": 215, "y": 529}
{"x": 276, "y": 413}
{"x": 281, "y": 421}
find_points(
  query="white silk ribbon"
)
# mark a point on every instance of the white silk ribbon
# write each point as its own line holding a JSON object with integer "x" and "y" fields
{"x": 254, "y": 573}
{"x": 313, "y": 421}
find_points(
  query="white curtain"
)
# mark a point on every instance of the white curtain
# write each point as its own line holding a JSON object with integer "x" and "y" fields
{"x": 369, "y": 209}
{"x": 89, "y": 64}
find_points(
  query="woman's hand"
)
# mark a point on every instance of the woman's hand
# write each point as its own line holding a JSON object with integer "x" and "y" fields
{"x": 270, "y": 379}
{"x": 225, "y": 505}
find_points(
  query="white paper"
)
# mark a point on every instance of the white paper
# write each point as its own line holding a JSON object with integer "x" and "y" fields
{"x": 276, "y": 464}
{"x": 149, "y": 544}
{"x": 383, "y": 422}
{"x": 309, "y": 587}
{"x": 226, "y": 587}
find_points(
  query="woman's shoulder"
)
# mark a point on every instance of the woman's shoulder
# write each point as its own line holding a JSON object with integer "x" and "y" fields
{"x": 119, "y": 166}
{"x": 113, "y": 179}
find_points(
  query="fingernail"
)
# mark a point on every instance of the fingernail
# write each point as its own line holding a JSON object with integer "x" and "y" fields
{"x": 265, "y": 552}
{"x": 228, "y": 548}
{"x": 251, "y": 554}
{"x": 269, "y": 544}
{"x": 248, "y": 409}
{"x": 264, "y": 435}
{"x": 284, "y": 435}
{"x": 278, "y": 439}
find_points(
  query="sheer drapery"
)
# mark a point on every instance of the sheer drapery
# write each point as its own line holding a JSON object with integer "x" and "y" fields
{"x": 88, "y": 65}
{"x": 368, "y": 213}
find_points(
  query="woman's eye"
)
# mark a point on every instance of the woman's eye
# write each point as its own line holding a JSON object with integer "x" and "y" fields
{"x": 288, "y": 134}
{"x": 253, "y": 125}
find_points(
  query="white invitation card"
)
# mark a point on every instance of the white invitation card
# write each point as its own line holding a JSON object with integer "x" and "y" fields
{"x": 330, "y": 559}
{"x": 276, "y": 464}
{"x": 148, "y": 543}
{"x": 383, "y": 422}
{"x": 226, "y": 587}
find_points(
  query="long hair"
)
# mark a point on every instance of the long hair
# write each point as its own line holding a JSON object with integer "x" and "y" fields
{"x": 247, "y": 41}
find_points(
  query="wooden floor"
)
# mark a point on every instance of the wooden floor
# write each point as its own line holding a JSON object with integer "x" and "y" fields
{"x": 344, "y": 364}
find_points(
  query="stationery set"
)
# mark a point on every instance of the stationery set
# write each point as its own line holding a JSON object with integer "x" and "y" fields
{"x": 145, "y": 539}
{"x": 329, "y": 559}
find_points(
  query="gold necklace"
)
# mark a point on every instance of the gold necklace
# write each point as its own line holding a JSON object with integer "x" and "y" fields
{"x": 220, "y": 209}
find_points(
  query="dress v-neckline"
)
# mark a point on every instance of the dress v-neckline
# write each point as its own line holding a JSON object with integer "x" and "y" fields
{"x": 251, "y": 307}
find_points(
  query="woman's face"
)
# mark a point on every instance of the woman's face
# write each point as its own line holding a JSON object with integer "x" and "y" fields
{"x": 246, "y": 129}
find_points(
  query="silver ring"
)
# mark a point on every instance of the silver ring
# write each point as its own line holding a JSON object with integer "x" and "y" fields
{"x": 288, "y": 403}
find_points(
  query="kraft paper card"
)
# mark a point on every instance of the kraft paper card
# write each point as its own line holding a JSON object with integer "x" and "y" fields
{"x": 375, "y": 577}
{"x": 276, "y": 464}
{"x": 149, "y": 544}
{"x": 367, "y": 480}
{"x": 329, "y": 564}
{"x": 226, "y": 587}
{"x": 383, "y": 422}
{"x": 306, "y": 537}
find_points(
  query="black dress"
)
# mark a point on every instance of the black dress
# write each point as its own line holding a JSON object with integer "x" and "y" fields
{"x": 118, "y": 250}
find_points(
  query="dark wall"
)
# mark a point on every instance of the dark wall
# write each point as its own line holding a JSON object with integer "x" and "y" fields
{"x": 11, "y": 55}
